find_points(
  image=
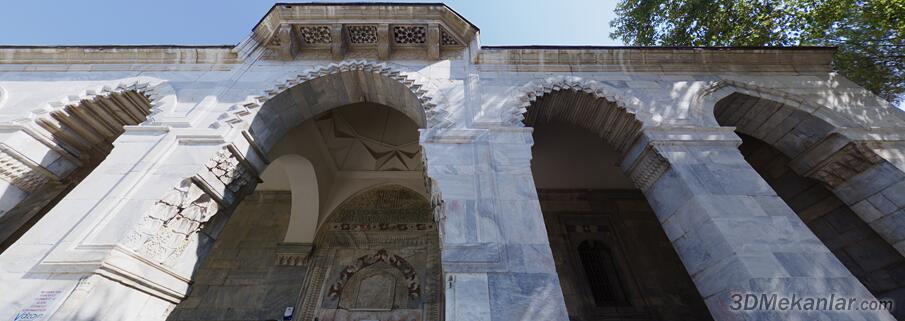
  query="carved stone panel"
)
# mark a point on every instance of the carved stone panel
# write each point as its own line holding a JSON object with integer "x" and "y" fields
{"x": 409, "y": 35}
{"x": 363, "y": 34}
{"x": 316, "y": 35}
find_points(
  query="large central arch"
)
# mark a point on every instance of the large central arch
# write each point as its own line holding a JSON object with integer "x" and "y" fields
{"x": 314, "y": 99}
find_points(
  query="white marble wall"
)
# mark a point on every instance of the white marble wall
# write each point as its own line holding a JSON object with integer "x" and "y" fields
{"x": 731, "y": 231}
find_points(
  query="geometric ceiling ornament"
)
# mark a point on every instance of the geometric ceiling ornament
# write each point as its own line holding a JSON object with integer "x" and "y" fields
{"x": 370, "y": 137}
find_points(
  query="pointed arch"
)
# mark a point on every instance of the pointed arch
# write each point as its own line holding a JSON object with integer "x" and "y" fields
{"x": 77, "y": 133}
{"x": 514, "y": 113}
{"x": 790, "y": 123}
{"x": 432, "y": 112}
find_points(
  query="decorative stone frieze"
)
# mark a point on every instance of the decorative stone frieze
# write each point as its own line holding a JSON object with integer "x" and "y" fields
{"x": 409, "y": 35}
{"x": 851, "y": 160}
{"x": 437, "y": 116}
{"x": 362, "y": 34}
{"x": 316, "y": 35}
{"x": 584, "y": 103}
{"x": 87, "y": 128}
{"x": 447, "y": 39}
{"x": 396, "y": 261}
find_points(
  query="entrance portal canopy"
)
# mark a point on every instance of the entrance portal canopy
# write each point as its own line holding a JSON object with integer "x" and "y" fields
{"x": 378, "y": 30}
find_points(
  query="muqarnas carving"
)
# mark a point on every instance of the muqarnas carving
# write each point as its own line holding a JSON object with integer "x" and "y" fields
{"x": 172, "y": 222}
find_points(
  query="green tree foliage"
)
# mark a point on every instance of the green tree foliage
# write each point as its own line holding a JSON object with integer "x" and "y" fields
{"x": 870, "y": 35}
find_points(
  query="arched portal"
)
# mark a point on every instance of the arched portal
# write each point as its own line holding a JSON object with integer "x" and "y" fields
{"x": 773, "y": 134}
{"x": 330, "y": 138}
{"x": 612, "y": 256}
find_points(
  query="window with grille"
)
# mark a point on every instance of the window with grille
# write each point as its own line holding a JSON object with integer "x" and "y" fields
{"x": 603, "y": 277}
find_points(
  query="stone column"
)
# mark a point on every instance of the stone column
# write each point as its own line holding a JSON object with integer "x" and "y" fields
{"x": 732, "y": 232}
{"x": 497, "y": 261}
{"x": 866, "y": 170}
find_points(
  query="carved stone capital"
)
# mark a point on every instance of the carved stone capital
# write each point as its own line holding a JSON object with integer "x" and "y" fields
{"x": 293, "y": 254}
{"x": 648, "y": 167}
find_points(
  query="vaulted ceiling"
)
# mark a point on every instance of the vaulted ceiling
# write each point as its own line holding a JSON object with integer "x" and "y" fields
{"x": 370, "y": 137}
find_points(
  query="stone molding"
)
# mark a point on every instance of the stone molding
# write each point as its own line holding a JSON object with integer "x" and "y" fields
{"x": 704, "y": 102}
{"x": 654, "y": 59}
{"x": 122, "y": 55}
{"x": 427, "y": 93}
{"x": 845, "y": 153}
{"x": 293, "y": 254}
{"x": 619, "y": 126}
{"x": 645, "y": 164}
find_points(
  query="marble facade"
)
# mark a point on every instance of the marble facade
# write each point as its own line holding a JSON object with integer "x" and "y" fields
{"x": 138, "y": 181}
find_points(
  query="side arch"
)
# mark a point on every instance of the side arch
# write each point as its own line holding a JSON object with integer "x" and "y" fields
{"x": 514, "y": 113}
{"x": 70, "y": 137}
{"x": 767, "y": 114}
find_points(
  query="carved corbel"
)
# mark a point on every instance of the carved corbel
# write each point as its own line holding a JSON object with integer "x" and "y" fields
{"x": 293, "y": 254}
{"x": 284, "y": 34}
{"x": 648, "y": 167}
{"x": 433, "y": 41}
{"x": 338, "y": 47}
{"x": 383, "y": 41}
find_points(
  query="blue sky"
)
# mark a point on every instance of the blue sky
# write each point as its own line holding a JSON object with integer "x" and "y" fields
{"x": 192, "y": 22}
